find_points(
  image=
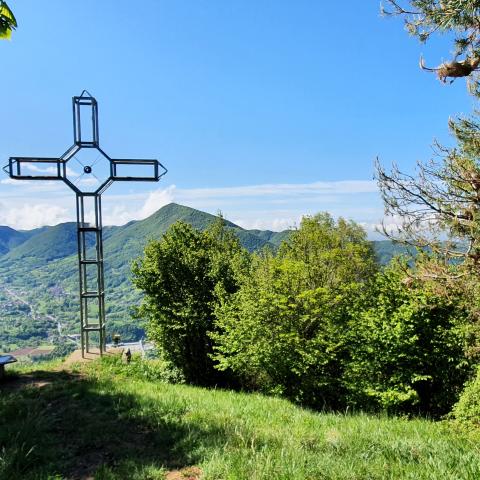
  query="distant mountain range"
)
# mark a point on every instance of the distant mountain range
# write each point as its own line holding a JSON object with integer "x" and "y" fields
{"x": 50, "y": 243}
{"x": 60, "y": 241}
{"x": 38, "y": 273}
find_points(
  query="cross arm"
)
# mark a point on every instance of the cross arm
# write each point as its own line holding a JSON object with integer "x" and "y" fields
{"x": 35, "y": 168}
{"x": 129, "y": 170}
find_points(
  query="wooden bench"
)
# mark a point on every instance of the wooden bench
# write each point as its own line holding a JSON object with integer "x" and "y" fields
{"x": 4, "y": 359}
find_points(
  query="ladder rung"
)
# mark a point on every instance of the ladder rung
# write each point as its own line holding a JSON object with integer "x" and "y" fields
{"x": 92, "y": 328}
{"x": 91, "y": 294}
{"x": 89, "y": 229}
{"x": 90, "y": 262}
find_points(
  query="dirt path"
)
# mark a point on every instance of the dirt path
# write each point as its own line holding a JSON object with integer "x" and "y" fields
{"x": 40, "y": 378}
{"x": 93, "y": 354}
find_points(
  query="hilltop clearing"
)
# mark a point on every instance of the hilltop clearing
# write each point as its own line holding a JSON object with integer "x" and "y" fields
{"x": 109, "y": 420}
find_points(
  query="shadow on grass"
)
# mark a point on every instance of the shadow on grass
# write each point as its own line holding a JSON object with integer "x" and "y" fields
{"x": 60, "y": 423}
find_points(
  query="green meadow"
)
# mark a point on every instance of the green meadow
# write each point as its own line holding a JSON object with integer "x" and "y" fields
{"x": 108, "y": 420}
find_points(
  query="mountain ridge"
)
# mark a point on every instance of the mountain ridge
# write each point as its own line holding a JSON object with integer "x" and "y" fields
{"x": 16, "y": 244}
{"x": 50, "y": 243}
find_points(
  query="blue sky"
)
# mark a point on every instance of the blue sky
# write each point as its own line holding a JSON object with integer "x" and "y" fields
{"x": 265, "y": 110}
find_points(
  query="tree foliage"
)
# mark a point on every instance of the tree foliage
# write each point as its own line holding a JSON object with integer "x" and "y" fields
{"x": 8, "y": 21}
{"x": 183, "y": 275}
{"x": 284, "y": 331}
{"x": 438, "y": 207}
{"x": 428, "y": 330}
{"x": 408, "y": 346}
{"x": 315, "y": 321}
{"x": 467, "y": 410}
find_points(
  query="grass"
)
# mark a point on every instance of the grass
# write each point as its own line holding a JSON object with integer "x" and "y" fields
{"x": 113, "y": 421}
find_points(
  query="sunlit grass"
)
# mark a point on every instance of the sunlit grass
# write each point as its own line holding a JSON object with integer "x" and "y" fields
{"x": 103, "y": 419}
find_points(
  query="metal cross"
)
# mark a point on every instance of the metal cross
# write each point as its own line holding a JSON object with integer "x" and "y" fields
{"x": 98, "y": 172}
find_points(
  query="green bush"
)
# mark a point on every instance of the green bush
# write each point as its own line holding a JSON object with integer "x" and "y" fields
{"x": 285, "y": 330}
{"x": 407, "y": 347}
{"x": 315, "y": 322}
{"x": 183, "y": 276}
{"x": 467, "y": 409}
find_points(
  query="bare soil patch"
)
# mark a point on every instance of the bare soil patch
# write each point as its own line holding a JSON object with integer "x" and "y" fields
{"x": 93, "y": 354}
{"x": 187, "y": 473}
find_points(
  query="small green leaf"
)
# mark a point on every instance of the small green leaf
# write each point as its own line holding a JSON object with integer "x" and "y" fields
{"x": 8, "y": 21}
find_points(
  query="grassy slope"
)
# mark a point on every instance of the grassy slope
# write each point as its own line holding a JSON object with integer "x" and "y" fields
{"x": 101, "y": 419}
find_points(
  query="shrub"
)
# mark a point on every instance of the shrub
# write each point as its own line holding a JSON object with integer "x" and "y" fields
{"x": 407, "y": 347}
{"x": 467, "y": 409}
{"x": 285, "y": 330}
{"x": 183, "y": 276}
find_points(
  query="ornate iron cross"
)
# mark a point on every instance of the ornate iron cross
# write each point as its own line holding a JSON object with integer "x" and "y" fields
{"x": 97, "y": 172}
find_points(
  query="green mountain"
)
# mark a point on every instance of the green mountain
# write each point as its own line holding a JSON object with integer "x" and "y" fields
{"x": 10, "y": 238}
{"x": 51, "y": 243}
{"x": 39, "y": 277}
{"x": 385, "y": 250}
{"x": 275, "y": 238}
{"x": 133, "y": 236}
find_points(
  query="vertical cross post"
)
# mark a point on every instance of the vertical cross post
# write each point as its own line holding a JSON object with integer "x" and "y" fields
{"x": 91, "y": 273}
{"x": 98, "y": 173}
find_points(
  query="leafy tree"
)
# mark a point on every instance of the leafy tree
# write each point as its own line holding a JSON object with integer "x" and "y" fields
{"x": 183, "y": 276}
{"x": 334, "y": 253}
{"x": 438, "y": 209}
{"x": 408, "y": 346}
{"x": 284, "y": 331}
{"x": 7, "y": 20}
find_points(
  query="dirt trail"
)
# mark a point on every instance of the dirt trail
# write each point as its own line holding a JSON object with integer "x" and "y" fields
{"x": 93, "y": 354}
{"x": 40, "y": 378}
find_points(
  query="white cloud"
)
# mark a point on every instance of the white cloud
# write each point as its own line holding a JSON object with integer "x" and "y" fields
{"x": 53, "y": 170}
{"x": 8, "y": 181}
{"x": 71, "y": 171}
{"x": 117, "y": 214}
{"x": 28, "y": 216}
{"x": 22, "y": 188}
{"x": 275, "y": 224}
{"x": 87, "y": 181}
{"x": 265, "y": 206}
{"x": 34, "y": 168}
{"x": 346, "y": 187}
{"x": 156, "y": 200}
{"x": 120, "y": 209}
